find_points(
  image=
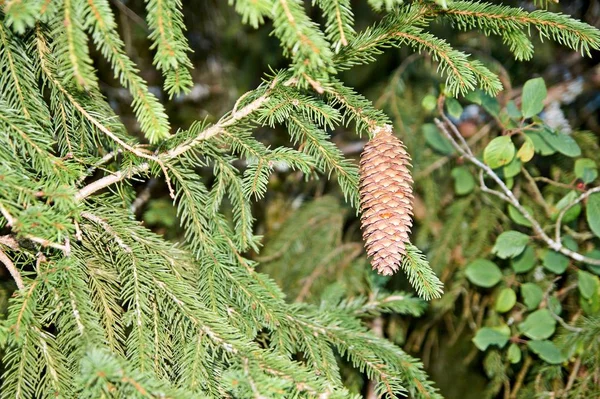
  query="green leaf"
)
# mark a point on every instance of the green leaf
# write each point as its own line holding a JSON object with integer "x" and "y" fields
{"x": 540, "y": 145}
{"x": 538, "y": 325}
{"x": 506, "y": 300}
{"x": 527, "y": 150}
{"x": 434, "y": 138}
{"x": 429, "y": 102}
{"x": 483, "y": 273}
{"x": 590, "y": 306}
{"x": 486, "y": 336}
{"x": 565, "y": 201}
{"x": 510, "y": 244}
{"x": 512, "y": 110}
{"x": 499, "y": 152}
{"x": 517, "y": 217}
{"x": 475, "y": 96}
{"x": 490, "y": 104}
{"x": 514, "y": 354}
{"x": 454, "y": 108}
{"x": 562, "y": 143}
{"x": 525, "y": 261}
{"x": 512, "y": 169}
{"x": 532, "y": 295}
{"x": 554, "y": 305}
{"x": 586, "y": 170}
{"x": 555, "y": 262}
{"x": 532, "y": 100}
{"x": 588, "y": 284}
{"x": 547, "y": 351}
{"x": 464, "y": 182}
{"x": 592, "y": 213}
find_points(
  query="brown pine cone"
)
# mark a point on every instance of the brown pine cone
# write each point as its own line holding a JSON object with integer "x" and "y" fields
{"x": 385, "y": 200}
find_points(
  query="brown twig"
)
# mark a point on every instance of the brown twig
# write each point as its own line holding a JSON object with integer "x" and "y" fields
{"x": 521, "y": 377}
{"x": 11, "y": 221}
{"x": 12, "y": 269}
{"x": 211, "y": 131}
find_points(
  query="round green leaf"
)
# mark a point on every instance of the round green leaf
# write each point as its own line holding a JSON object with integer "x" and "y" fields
{"x": 506, "y": 300}
{"x": 510, "y": 244}
{"x": 512, "y": 169}
{"x": 483, "y": 273}
{"x": 555, "y": 262}
{"x": 429, "y": 102}
{"x": 453, "y": 107}
{"x": 514, "y": 353}
{"x": 532, "y": 295}
{"x": 525, "y": 261}
{"x": 547, "y": 351}
{"x": 586, "y": 170}
{"x": 464, "y": 182}
{"x": 588, "y": 284}
{"x": 532, "y": 100}
{"x": 499, "y": 152}
{"x": 489, "y": 336}
{"x": 592, "y": 213}
{"x": 538, "y": 325}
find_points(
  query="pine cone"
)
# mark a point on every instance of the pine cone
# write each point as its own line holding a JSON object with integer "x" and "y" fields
{"x": 385, "y": 200}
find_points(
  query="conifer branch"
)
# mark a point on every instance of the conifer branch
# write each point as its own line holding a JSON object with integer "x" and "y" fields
{"x": 219, "y": 127}
{"x": 12, "y": 269}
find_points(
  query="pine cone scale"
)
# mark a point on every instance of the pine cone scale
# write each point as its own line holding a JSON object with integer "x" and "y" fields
{"x": 385, "y": 200}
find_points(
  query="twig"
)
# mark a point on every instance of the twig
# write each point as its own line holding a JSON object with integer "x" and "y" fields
{"x": 102, "y": 223}
{"x": 14, "y": 272}
{"x": 536, "y": 192}
{"x": 211, "y": 131}
{"x": 143, "y": 196}
{"x": 131, "y": 14}
{"x": 444, "y": 160}
{"x": 555, "y": 183}
{"x": 11, "y": 221}
{"x": 521, "y": 377}
{"x": 507, "y": 195}
{"x": 100, "y": 162}
{"x": 571, "y": 205}
{"x": 554, "y": 315}
{"x": 572, "y": 377}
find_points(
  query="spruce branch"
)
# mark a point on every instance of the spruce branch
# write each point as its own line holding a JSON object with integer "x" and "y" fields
{"x": 225, "y": 122}
{"x": 42, "y": 52}
{"x": 506, "y": 20}
{"x": 11, "y": 221}
{"x": 100, "y": 22}
{"x": 451, "y": 132}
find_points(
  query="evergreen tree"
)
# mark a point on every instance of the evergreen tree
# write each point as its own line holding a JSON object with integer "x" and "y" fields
{"x": 104, "y": 307}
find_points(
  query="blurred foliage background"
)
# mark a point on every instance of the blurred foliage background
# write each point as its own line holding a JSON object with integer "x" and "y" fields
{"x": 312, "y": 243}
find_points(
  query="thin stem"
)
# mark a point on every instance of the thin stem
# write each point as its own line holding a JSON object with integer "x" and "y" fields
{"x": 571, "y": 205}
{"x": 507, "y": 195}
{"x": 211, "y": 131}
